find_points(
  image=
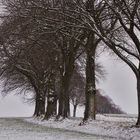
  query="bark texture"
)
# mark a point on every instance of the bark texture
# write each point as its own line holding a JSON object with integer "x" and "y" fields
{"x": 90, "y": 92}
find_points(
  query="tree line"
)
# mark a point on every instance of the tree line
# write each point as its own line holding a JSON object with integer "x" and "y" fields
{"x": 42, "y": 42}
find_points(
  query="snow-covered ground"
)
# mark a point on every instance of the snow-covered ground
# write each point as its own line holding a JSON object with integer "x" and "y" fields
{"x": 119, "y": 127}
{"x": 18, "y": 129}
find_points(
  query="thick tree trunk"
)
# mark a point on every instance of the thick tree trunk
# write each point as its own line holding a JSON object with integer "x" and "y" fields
{"x": 65, "y": 94}
{"x": 61, "y": 99}
{"x": 61, "y": 105}
{"x": 42, "y": 104}
{"x": 36, "y": 112}
{"x": 39, "y": 104}
{"x": 92, "y": 101}
{"x": 50, "y": 110}
{"x": 51, "y": 98}
{"x": 74, "y": 110}
{"x": 90, "y": 91}
{"x": 66, "y": 74}
{"x": 55, "y": 107}
{"x": 86, "y": 113}
{"x": 66, "y": 99}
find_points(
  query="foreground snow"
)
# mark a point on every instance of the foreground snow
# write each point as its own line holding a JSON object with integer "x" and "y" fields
{"x": 120, "y": 127}
{"x": 19, "y": 129}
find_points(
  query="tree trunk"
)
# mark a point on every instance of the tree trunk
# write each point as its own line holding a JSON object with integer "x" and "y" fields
{"x": 61, "y": 105}
{"x": 55, "y": 107}
{"x": 86, "y": 113}
{"x": 50, "y": 110}
{"x": 66, "y": 74}
{"x": 74, "y": 110}
{"x": 36, "y": 112}
{"x": 92, "y": 101}
{"x": 90, "y": 91}
{"x": 64, "y": 107}
{"x": 51, "y": 98}
{"x": 42, "y": 104}
{"x": 61, "y": 98}
{"x": 66, "y": 84}
{"x": 39, "y": 104}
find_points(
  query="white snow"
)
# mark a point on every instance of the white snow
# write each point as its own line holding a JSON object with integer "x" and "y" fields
{"x": 17, "y": 129}
{"x": 120, "y": 127}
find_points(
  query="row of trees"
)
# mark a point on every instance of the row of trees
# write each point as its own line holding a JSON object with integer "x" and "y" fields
{"x": 42, "y": 41}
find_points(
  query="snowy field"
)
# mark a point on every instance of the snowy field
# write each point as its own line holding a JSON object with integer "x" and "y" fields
{"x": 118, "y": 127}
{"x": 18, "y": 129}
{"x": 106, "y": 127}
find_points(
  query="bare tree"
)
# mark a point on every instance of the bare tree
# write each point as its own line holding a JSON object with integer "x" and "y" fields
{"x": 73, "y": 24}
{"x": 126, "y": 13}
{"x": 38, "y": 34}
{"x": 36, "y": 65}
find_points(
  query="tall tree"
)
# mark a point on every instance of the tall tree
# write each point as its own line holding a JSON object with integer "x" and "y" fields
{"x": 127, "y": 14}
{"x": 121, "y": 20}
{"x": 36, "y": 65}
